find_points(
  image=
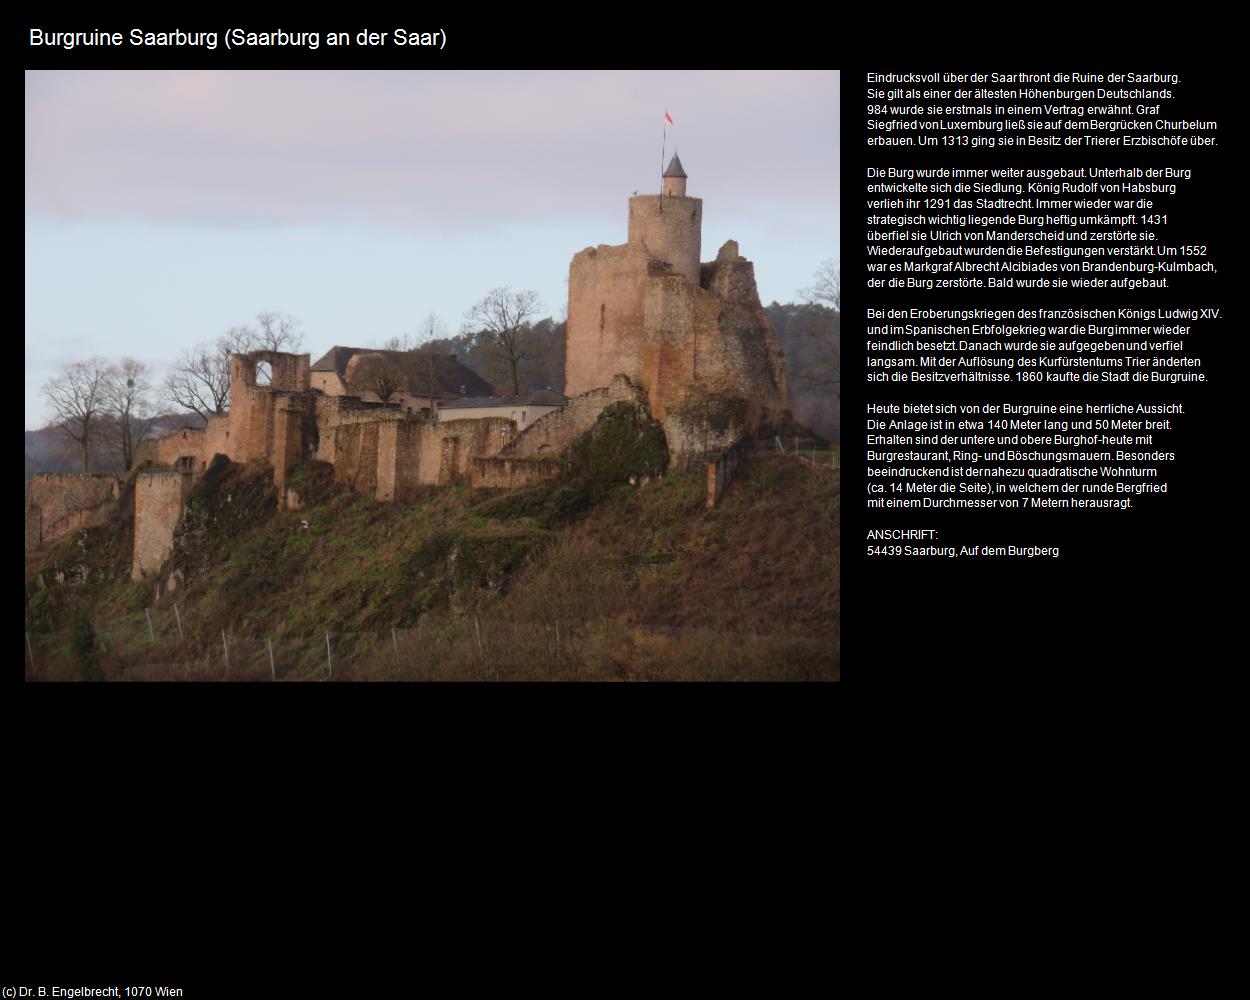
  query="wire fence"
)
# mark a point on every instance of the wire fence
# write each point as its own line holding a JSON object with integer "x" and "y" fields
{"x": 806, "y": 451}
{"x": 171, "y": 644}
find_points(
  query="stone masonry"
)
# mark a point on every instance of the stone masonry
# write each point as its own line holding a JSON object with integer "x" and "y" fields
{"x": 649, "y": 310}
{"x": 159, "y": 498}
{"x": 58, "y": 505}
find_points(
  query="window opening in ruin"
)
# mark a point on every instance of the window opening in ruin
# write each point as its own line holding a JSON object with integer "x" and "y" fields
{"x": 264, "y": 373}
{"x": 603, "y": 313}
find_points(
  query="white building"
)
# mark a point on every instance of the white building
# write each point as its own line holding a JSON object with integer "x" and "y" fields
{"x": 524, "y": 410}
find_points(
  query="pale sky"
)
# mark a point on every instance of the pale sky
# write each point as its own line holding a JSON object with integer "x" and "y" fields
{"x": 164, "y": 207}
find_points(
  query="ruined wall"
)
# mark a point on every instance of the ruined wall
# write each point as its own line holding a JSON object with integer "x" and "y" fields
{"x": 288, "y": 372}
{"x": 254, "y": 421}
{"x": 752, "y": 355}
{"x": 390, "y": 454}
{"x": 356, "y": 456}
{"x": 698, "y": 342}
{"x": 295, "y": 436}
{"x": 460, "y": 441}
{"x": 604, "y": 333}
{"x": 721, "y": 471}
{"x": 702, "y": 426}
{"x": 680, "y": 320}
{"x": 508, "y": 473}
{"x": 57, "y": 505}
{"x": 331, "y": 412}
{"x": 549, "y": 436}
{"x": 190, "y": 447}
{"x": 159, "y": 498}
{"x": 275, "y": 422}
{"x": 400, "y": 459}
{"x": 671, "y": 229}
{"x": 673, "y": 330}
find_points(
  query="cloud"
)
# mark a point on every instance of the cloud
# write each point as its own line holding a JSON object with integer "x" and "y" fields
{"x": 420, "y": 151}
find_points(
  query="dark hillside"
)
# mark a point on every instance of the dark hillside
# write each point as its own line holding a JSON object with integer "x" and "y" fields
{"x": 566, "y": 580}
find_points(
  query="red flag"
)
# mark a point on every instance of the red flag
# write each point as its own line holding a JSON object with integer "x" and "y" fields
{"x": 667, "y": 119}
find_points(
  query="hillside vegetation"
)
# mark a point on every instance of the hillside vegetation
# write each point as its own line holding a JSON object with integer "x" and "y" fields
{"x": 580, "y": 578}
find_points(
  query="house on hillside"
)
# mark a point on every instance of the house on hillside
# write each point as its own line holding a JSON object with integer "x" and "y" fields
{"x": 418, "y": 381}
{"x": 523, "y": 410}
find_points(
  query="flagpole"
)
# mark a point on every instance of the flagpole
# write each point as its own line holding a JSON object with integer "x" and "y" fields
{"x": 663, "y": 149}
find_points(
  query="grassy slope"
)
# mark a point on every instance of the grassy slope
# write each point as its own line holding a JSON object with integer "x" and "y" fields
{"x": 531, "y": 584}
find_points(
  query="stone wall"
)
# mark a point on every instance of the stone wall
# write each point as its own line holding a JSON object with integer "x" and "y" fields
{"x": 549, "y": 436}
{"x": 277, "y": 423}
{"x": 190, "y": 447}
{"x": 671, "y": 230}
{"x": 752, "y": 356}
{"x": 650, "y": 311}
{"x": 159, "y": 498}
{"x": 721, "y": 470}
{"x": 508, "y": 473}
{"x": 391, "y": 455}
{"x": 460, "y": 441}
{"x": 356, "y": 456}
{"x": 604, "y": 332}
{"x": 57, "y": 505}
{"x": 332, "y": 412}
{"x": 703, "y": 426}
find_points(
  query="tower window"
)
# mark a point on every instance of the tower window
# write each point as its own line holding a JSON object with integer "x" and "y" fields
{"x": 603, "y": 313}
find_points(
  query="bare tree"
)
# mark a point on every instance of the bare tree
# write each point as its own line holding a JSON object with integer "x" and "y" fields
{"x": 503, "y": 320}
{"x": 385, "y": 370}
{"x": 821, "y": 369}
{"x": 276, "y": 332}
{"x": 200, "y": 379}
{"x": 128, "y": 401}
{"x": 77, "y": 397}
{"x": 431, "y": 328}
{"x": 826, "y": 290}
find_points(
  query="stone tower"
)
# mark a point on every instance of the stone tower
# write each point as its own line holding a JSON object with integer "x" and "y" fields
{"x": 693, "y": 336}
{"x": 669, "y": 225}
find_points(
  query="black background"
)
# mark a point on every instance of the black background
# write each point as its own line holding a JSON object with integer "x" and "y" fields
{"x": 1135, "y": 596}
{"x": 236, "y": 803}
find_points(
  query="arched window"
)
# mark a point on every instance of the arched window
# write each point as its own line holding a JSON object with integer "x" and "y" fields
{"x": 264, "y": 373}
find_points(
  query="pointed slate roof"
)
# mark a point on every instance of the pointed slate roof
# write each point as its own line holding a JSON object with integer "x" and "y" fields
{"x": 674, "y": 168}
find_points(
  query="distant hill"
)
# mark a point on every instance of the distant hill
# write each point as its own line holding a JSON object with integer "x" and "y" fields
{"x": 49, "y": 451}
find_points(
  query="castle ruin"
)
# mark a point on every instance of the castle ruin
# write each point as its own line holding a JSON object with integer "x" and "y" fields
{"x": 692, "y": 335}
{"x": 648, "y": 323}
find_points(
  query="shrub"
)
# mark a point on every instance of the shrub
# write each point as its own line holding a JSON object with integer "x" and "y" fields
{"x": 624, "y": 443}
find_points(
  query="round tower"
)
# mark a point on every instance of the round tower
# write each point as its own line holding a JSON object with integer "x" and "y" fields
{"x": 674, "y": 179}
{"x": 670, "y": 225}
